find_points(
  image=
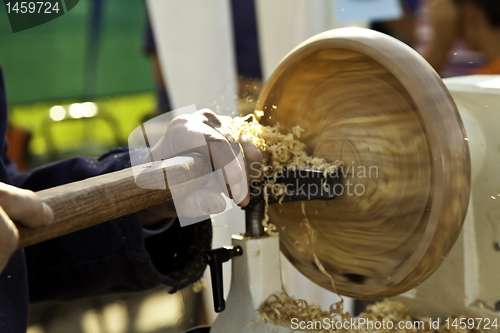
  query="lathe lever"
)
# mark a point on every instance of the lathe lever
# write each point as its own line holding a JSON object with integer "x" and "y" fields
{"x": 215, "y": 259}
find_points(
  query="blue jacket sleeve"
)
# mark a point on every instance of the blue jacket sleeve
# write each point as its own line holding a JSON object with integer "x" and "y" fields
{"x": 113, "y": 256}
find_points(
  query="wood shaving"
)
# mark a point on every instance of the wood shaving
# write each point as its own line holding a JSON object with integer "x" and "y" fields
{"x": 285, "y": 151}
{"x": 312, "y": 240}
{"x": 199, "y": 285}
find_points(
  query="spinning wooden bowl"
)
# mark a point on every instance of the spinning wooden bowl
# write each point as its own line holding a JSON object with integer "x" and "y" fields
{"x": 372, "y": 102}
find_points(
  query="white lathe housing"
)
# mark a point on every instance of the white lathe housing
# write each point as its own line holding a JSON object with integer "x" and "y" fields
{"x": 468, "y": 281}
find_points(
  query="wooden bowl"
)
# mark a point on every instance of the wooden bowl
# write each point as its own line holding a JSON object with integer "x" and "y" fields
{"x": 368, "y": 100}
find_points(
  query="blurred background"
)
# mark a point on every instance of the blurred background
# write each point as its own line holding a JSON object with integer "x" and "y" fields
{"x": 79, "y": 85}
{"x": 93, "y": 54}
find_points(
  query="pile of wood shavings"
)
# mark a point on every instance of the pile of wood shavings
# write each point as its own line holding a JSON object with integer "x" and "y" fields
{"x": 199, "y": 285}
{"x": 285, "y": 151}
{"x": 280, "y": 310}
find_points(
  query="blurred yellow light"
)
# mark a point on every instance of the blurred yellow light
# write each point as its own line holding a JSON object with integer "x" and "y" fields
{"x": 89, "y": 109}
{"x": 90, "y": 322}
{"x": 76, "y": 110}
{"x": 115, "y": 318}
{"x": 35, "y": 329}
{"x": 57, "y": 113}
{"x": 151, "y": 315}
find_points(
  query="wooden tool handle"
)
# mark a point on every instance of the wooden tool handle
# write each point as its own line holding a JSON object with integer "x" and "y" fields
{"x": 99, "y": 199}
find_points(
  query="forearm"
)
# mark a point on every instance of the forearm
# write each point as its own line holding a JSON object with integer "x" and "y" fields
{"x": 443, "y": 17}
{"x": 436, "y": 54}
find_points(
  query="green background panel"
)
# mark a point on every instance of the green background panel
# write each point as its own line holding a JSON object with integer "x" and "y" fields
{"x": 47, "y": 62}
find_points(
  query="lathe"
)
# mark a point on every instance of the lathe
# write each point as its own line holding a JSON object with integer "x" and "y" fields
{"x": 372, "y": 102}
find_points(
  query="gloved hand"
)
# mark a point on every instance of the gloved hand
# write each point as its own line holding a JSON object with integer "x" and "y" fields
{"x": 212, "y": 136}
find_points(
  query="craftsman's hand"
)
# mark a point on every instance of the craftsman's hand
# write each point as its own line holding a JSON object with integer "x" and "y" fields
{"x": 196, "y": 130}
{"x": 24, "y": 207}
{"x": 443, "y": 17}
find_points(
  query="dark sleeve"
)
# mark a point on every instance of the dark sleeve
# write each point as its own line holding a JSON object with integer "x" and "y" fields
{"x": 113, "y": 256}
{"x": 246, "y": 41}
